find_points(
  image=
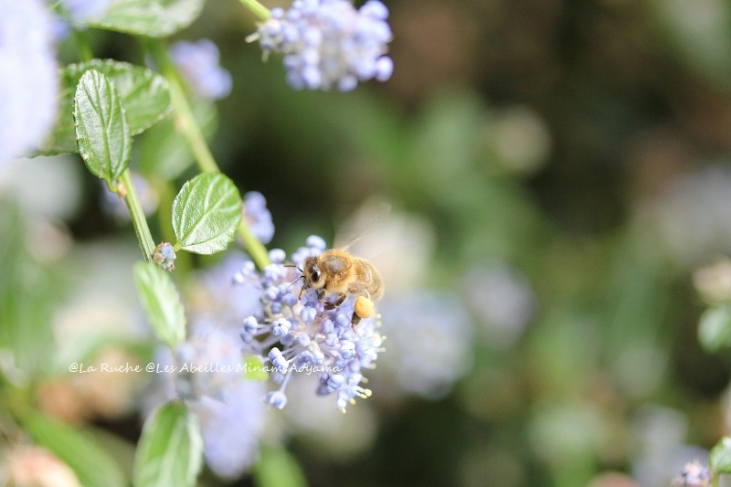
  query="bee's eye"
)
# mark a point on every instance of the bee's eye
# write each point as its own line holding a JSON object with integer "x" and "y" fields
{"x": 315, "y": 274}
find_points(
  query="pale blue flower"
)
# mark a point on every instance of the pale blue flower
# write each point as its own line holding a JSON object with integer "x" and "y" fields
{"x": 259, "y": 219}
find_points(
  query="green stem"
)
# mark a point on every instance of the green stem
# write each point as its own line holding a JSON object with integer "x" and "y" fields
{"x": 256, "y": 249}
{"x": 258, "y": 9}
{"x": 184, "y": 120}
{"x": 138, "y": 216}
{"x": 82, "y": 40}
{"x": 144, "y": 237}
{"x": 186, "y": 124}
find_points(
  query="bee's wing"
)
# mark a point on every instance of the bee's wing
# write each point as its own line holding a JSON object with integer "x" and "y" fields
{"x": 360, "y": 223}
{"x": 400, "y": 247}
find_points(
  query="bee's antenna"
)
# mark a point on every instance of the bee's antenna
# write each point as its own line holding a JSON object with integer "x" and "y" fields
{"x": 301, "y": 276}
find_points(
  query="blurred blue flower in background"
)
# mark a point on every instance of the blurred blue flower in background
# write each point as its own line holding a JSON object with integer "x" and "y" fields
{"x": 694, "y": 474}
{"x": 114, "y": 204}
{"x": 198, "y": 63}
{"x": 232, "y": 429}
{"x": 312, "y": 418}
{"x": 501, "y": 299}
{"x": 329, "y": 43}
{"x": 28, "y": 77}
{"x": 229, "y": 408}
{"x": 691, "y": 218}
{"x": 258, "y": 216}
{"x": 212, "y": 356}
{"x": 429, "y": 343}
{"x": 659, "y": 434}
{"x": 215, "y": 295}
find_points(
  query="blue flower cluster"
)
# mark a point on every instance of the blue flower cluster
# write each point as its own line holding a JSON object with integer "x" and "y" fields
{"x": 198, "y": 63}
{"x": 258, "y": 216}
{"x": 294, "y": 335}
{"x": 329, "y": 43}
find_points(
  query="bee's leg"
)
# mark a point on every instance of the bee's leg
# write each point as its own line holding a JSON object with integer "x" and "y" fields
{"x": 304, "y": 288}
{"x": 337, "y": 303}
{"x": 354, "y": 320}
{"x": 362, "y": 311}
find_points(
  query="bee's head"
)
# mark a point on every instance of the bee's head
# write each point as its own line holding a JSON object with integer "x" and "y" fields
{"x": 313, "y": 274}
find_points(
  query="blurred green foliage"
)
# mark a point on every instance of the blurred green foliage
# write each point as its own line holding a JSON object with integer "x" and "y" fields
{"x": 536, "y": 133}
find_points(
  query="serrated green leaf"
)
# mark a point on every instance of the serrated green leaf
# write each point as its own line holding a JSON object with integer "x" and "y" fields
{"x": 720, "y": 461}
{"x": 145, "y": 97}
{"x": 714, "y": 331}
{"x": 161, "y": 302}
{"x": 92, "y": 465}
{"x": 206, "y": 212}
{"x": 170, "y": 449}
{"x": 102, "y": 132}
{"x": 154, "y": 18}
{"x": 144, "y": 93}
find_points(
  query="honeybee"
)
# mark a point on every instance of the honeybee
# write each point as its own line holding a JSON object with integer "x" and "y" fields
{"x": 338, "y": 272}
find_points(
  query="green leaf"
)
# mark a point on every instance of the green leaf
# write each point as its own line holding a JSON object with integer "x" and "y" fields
{"x": 92, "y": 465}
{"x": 170, "y": 449}
{"x": 145, "y": 97}
{"x": 161, "y": 302}
{"x": 206, "y": 212}
{"x": 277, "y": 468}
{"x": 145, "y": 94}
{"x": 102, "y": 131}
{"x": 154, "y": 18}
{"x": 714, "y": 331}
{"x": 720, "y": 461}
